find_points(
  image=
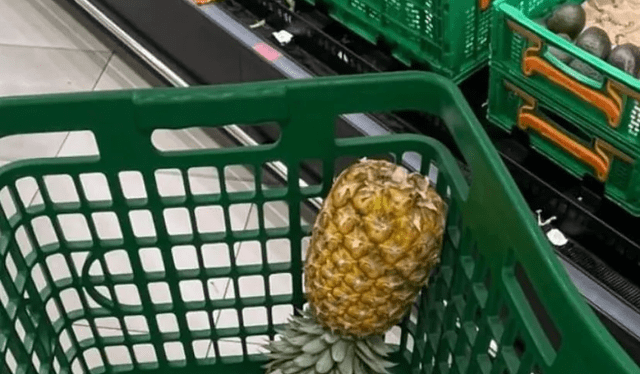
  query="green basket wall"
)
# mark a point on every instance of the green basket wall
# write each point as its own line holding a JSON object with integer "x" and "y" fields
{"x": 450, "y": 37}
{"x": 507, "y": 51}
{"x": 499, "y": 303}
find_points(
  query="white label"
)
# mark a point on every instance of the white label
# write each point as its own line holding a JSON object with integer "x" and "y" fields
{"x": 556, "y": 237}
{"x": 283, "y": 37}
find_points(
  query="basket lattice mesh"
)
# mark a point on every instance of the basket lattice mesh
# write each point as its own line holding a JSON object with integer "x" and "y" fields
{"x": 172, "y": 291}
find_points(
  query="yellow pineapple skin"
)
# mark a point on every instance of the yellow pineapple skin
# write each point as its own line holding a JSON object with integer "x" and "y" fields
{"x": 377, "y": 237}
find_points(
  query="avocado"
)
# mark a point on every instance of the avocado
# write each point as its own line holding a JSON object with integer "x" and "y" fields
{"x": 586, "y": 70}
{"x": 560, "y": 54}
{"x": 569, "y": 19}
{"x": 595, "y": 41}
{"x": 626, "y": 57}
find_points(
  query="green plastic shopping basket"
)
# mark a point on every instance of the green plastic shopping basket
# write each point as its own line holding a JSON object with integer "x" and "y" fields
{"x": 500, "y": 301}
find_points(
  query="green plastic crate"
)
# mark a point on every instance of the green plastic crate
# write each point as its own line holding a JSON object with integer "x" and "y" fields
{"x": 450, "y": 37}
{"x": 515, "y": 31}
{"x": 592, "y": 108}
{"x": 509, "y": 97}
{"x": 500, "y": 302}
{"x": 611, "y": 103}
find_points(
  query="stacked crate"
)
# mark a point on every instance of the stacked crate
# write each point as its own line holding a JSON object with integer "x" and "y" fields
{"x": 589, "y": 127}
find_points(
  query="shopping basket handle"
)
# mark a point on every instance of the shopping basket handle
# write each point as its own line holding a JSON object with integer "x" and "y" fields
{"x": 598, "y": 156}
{"x": 120, "y": 118}
{"x": 323, "y": 97}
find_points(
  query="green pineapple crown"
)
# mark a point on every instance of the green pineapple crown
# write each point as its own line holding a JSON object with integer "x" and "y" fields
{"x": 308, "y": 348}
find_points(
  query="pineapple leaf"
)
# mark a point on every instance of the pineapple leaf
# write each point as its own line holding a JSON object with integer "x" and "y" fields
{"x": 299, "y": 340}
{"x": 288, "y": 333}
{"x": 365, "y": 350}
{"x": 325, "y": 363}
{"x": 388, "y": 364}
{"x": 306, "y": 360}
{"x": 291, "y": 367}
{"x": 282, "y": 356}
{"x": 302, "y": 312}
{"x": 272, "y": 366}
{"x": 358, "y": 367}
{"x": 282, "y": 346}
{"x": 339, "y": 350}
{"x": 314, "y": 330}
{"x": 309, "y": 322}
{"x": 295, "y": 324}
{"x": 346, "y": 366}
{"x": 330, "y": 337}
{"x": 306, "y": 324}
{"x": 311, "y": 370}
{"x": 291, "y": 370}
{"x": 277, "y": 361}
{"x": 369, "y": 358}
{"x": 378, "y": 345}
{"x": 275, "y": 365}
{"x": 306, "y": 313}
{"x": 317, "y": 345}
{"x": 310, "y": 326}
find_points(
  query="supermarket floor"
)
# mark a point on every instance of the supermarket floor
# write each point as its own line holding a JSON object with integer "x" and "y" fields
{"x": 48, "y": 46}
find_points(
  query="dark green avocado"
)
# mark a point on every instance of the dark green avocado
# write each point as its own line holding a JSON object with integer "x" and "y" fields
{"x": 626, "y": 57}
{"x": 559, "y": 54}
{"x": 569, "y": 19}
{"x": 595, "y": 41}
{"x": 585, "y": 69}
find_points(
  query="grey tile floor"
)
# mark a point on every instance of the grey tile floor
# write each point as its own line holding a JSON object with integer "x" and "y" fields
{"x": 47, "y": 46}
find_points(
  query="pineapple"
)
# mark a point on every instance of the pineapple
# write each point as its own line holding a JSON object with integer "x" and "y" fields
{"x": 375, "y": 241}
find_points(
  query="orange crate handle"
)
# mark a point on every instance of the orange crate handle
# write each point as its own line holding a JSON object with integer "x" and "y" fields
{"x": 610, "y": 102}
{"x": 484, "y": 4}
{"x": 598, "y": 157}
